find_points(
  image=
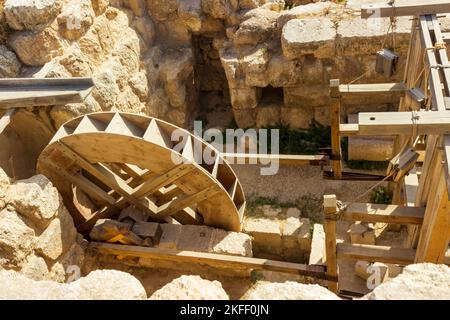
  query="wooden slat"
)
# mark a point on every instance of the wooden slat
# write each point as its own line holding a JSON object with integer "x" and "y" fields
{"x": 404, "y": 8}
{"x": 156, "y": 134}
{"x": 372, "y": 253}
{"x": 212, "y": 259}
{"x": 186, "y": 200}
{"x": 284, "y": 159}
{"x": 380, "y": 213}
{"x": 335, "y": 113}
{"x": 5, "y": 120}
{"x": 330, "y": 240}
{"x": 372, "y": 88}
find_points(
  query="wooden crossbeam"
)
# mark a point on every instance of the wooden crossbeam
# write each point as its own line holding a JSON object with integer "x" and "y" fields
{"x": 372, "y": 88}
{"x": 398, "y": 123}
{"x": 372, "y": 253}
{"x": 404, "y": 8}
{"x": 300, "y": 160}
{"x": 379, "y": 213}
{"x": 212, "y": 259}
{"x": 30, "y": 92}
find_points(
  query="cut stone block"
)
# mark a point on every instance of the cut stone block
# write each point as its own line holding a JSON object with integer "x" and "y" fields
{"x": 362, "y": 234}
{"x": 195, "y": 238}
{"x": 293, "y": 213}
{"x": 134, "y": 214}
{"x": 232, "y": 243}
{"x": 297, "y": 118}
{"x": 170, "y": 235}
{"x": 362, "y": 269}
{"x": 309, "y": 10}
{"x": 245, "y": 98}
{"x": 148, "y": 230}
{"x": 312, "y": 36}
{"x": 266, "y": 236}
{"x": 311, "y": 96}
{"x": 317, "y": 255}
{"x": 113, "y": 231}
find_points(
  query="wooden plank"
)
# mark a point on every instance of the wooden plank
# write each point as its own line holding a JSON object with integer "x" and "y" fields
{"x": 5, "y": 120}
{"x": 372, "y": 88}
{"x": 372, "y": 253}
{"x": 446, "y": 150}
{"x": 330, "y": 208}
{"x": 404, "y": 8}
{"x": 434, "y": 235}
{"x": 30, "y": 92}
{"x": 374, "y": 213}
{"x": 442, "y": 54}
{"x": 284, "y": 159}
{"x": 335, "y": 111}
{"x": 186, "y": 200}
{"x": 212, "y": 259}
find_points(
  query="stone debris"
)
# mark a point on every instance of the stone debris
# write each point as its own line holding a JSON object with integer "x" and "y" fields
{"x": 288, "y": 290}
{"x": 98, "y": 285}
{"x": 361, "y": 233}
{"x": 190, "y": 288}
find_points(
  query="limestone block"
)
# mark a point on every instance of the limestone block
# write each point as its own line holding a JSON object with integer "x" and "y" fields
{"x": 162, "y": 9}
{"x": 362, "y": 269}
{"x": 297, "y": 118}
{"x": 31, "y": 15}
{"x": 314, "y": 36}
{"x": 36, "y": 199}
{"x": 218, "y": 9}
{"x": 190, "y": 12}
{"x": 306, "y": 11}
{"x": 9, "y": 64}
{"x": 139, "y": 84}
{"x": 317, "y": 255}
{"x": 257, "y": 26}
{"x": 362, "y": 234}
{"x": 100, "y": 6}
{"x": 269, "y": 211}
{"x": 170, "y": 235}
{"x": 306, "y": 96}
{"x": 232, "y": 243}
{"x": 75, "y": 19}
{"x": 16, "y": 239}
{"x": 146, "y": 28}
{"x": 139, "y": 7}
{"x": 266, "y": 235}
{"x": 245, "y": 118}
{"x": 268, "y": 115}
{"x": 76, "y": 63}
{"x": 35, "y": 268}
{"x": 288, "y": 290}
{"x": 245, "y": 98}
{"x": 36, "y": 49}
{"x": 313, "y": 71}
{"x": 296, "y": 233}
{"x": 134, "y": 214}
{"x": 148, "y": 230}
{"x": 195, "y": 238}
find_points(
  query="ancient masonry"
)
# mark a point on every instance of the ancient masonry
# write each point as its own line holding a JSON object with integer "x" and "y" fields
{"x": 93, "y": 92}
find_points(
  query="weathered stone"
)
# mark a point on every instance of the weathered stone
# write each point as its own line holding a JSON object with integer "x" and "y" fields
{"x": 296, "y": 232}
{"x": 366, "y": 269}
{"x": 5, "y": 181}
{"x": 314, "y": 36}
{"x": 98, "y": 285}
{"x": 9, "y": 64}
{"x": 16, "y": 239}
{"x": 128, "y": 51}
{"x": 195, "y": 238}
{"x": 218, "y": 9}
{"x": 76, "y": 18}
{"x": 58, "y": 237}
{"x": 362, "y": 234}
{"x": 146, "y": 28}
{"x": 232, "y": 243}
{"x": 36, "y": 199}
{"x": 162, "y": 9}
{"x": 191, "y": 288}
{"x": 266, "y": 235}
{"x": 148, "y": 230}
{"x": 306, "y": 96}
{"x": 36, "y": 49}
{"x": 288, "y": 291}
{"x": 258, "y": 26}
{"x": 76, "y": 63}
{"x": 424, "y": 281}
{"x": 139, "y": 84}
{"x": 69, "y": 264}
{"x": 62, "y": 114}
{"x": 245, "y": 118}
{"x": 190, "y": 12}
{"x": 297, "y": 118}
{"x": 139, "y": 7}
{"x": 370, "y": 149}
{"x": 35, "y": 268}
{"x": 170, "y": 235}
{"x": 99, "y": 6}
{"x": 245, "y": 98}
{"x": 307, "y": 11}
{"x": 134, "y": 214}
{"x": 31, "y": 14}
{"x": 317, "y": 255}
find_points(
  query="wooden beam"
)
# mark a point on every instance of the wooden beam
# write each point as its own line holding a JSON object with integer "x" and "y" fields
{"x": 335, "y": 122}
{"x": 372, "y": 88}
{"x": 380, "y": 213}
{"x": 5, "y": 120}
{"x": 284, "y": 159}
{"x": 30, "y": 92}
{"x": 212, "y": 259}
{"x": 398, "y": 123}
{"x": 330, "y": 208}
{"x": 372, "y": 253}
{"x": 404, "y": 8}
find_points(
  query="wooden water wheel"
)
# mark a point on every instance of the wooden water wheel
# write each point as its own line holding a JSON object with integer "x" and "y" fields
{"x": 116, "y": 160}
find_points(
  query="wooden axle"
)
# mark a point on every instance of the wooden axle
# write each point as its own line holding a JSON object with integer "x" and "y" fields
{"x": 296, "y": 160}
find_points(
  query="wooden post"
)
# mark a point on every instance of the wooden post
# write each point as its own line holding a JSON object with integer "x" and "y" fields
{"x": 335, "y": 123}
{"x": 330, "y": 208}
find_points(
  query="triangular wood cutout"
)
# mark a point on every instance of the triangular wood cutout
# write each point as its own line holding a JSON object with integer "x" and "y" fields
{"x": 188, "y": 150}
{"x": 232, "y": 190}
{"x": 89, "y": 124}
{"x": 157, "y": 135}
{"x": 215, "y": 169}
{"x": 120, "y": 125}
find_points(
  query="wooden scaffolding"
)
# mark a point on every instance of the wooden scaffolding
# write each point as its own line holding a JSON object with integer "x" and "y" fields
{"x": 421, "y": 193}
